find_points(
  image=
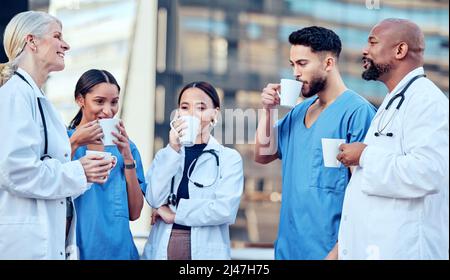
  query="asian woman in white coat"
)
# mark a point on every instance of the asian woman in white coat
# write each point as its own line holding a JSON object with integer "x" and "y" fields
{"x": 37, "y": 178}
{"x": 195, "y": 190}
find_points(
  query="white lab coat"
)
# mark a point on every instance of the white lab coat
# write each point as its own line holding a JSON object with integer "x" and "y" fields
{"x": 209, "y": 211}
{"x": 396, "y": 204}
{"x": 33, "y": 192}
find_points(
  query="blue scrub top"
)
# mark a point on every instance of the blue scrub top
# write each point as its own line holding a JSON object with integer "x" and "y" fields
{"x": 312, "y": 194}
{"x": 103, "y": 227}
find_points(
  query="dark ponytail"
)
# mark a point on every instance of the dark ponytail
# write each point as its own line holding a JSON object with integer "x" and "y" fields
{"x": 76, "y": 121}
{"x": 87, "y": 81}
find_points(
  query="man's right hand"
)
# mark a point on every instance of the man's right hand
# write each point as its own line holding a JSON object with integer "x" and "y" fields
{"x": 266, "y": 148}
{"x": 270, "y": 97}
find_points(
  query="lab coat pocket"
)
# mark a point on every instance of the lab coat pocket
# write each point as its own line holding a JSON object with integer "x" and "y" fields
{"x": 26, "y": 239}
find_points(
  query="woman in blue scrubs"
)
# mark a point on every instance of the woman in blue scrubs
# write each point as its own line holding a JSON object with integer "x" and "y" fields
{"x": 104, "y": 211}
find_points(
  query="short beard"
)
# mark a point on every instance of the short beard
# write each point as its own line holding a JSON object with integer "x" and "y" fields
{"x": 317, "y": 85}
{"x": 374, "y": 72}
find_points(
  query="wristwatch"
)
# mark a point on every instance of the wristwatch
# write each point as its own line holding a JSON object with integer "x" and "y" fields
{"x": 131, "y": 165}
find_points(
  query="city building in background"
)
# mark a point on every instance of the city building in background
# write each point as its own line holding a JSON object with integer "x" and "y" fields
{"x": 240, "y": 46}
{"x": 154, "y": 47}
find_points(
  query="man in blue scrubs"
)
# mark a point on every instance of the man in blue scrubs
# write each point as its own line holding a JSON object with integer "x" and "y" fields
{"x": 312, "y": 194}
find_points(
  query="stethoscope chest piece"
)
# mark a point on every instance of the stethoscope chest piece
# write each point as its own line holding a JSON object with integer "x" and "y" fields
{"x": 172, "y": 199}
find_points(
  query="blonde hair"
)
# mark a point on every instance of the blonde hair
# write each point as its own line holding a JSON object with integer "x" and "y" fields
{"x": 23, "y": 24}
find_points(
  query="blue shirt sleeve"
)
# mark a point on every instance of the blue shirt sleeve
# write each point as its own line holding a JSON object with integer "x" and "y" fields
{"x": 139, "y": 168}
{"x": 359, "y": 123}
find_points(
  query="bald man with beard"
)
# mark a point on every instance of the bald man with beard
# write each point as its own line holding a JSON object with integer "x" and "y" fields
{"x": 396, "y": 204}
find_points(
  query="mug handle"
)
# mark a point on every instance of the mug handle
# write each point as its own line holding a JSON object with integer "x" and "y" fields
{"x": 175, "y": 118}
{"x": 171, "y": 124}
{"x": 115, "y": 161}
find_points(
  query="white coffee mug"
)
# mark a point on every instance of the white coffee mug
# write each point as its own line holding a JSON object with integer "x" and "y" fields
{"x": 290, "y": 91}
{"x": 108, "y": 126}
{"x": 106, "y": 155}
{"x": 191, "y": 131}
{"x": 330, "y": 149}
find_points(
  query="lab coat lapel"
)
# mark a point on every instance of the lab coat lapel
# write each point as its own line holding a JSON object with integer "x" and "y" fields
{"x": 397, "y": 89}
{"x": 212, "y": 145}
{"x": 36, "y": 89}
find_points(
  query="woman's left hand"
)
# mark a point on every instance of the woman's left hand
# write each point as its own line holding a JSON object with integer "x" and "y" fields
{"x": 166, "y": 214}
{"x": 122, "y": 142}
{"x": 155, "y": 216}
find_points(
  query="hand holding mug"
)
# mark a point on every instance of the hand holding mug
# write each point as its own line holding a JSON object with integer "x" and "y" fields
{"x": 177, "y": 126}
{"x": 350, "y": 154}
{"x": 97, "y": 167}
{"x": 187, "y": 130}
{"x": 122, "y": 142}
{"x": 270, "y": 97}
{"x": 89, "y": 133}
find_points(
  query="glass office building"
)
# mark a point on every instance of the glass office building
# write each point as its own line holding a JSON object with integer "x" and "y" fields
{"x": 240, "y": 46}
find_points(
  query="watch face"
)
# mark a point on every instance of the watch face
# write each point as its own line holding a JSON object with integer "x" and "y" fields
{"x": 131, "y": 166}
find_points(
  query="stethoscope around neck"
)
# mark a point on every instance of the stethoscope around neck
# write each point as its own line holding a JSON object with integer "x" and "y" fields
{"x": 172, "y": 199}
{"x": 401, "y": 95}
{"x": 44, "y": 123}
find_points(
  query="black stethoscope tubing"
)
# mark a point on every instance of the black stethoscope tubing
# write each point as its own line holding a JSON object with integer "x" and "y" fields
{"x": 172, "y": 199}
{"x": 45, "y": 155}
{"x": 400, "y": 95}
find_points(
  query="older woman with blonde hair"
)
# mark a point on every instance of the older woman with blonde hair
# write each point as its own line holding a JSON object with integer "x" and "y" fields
{"x": 37, "y": 177}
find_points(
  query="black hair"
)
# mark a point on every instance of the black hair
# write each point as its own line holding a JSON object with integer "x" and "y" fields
{"x": 85, "y": 83}
{"x": 206, "y": 88}
{"x": 319, "y": 39}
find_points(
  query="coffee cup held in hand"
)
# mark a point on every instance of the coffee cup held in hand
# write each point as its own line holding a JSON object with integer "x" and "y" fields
{"x": 330, "y": 149}
{"x": 108, "y": 126}
{"x": 105, "y": 155}
{"x": 190, "y": 133}
{"x": 290, "y": 91}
